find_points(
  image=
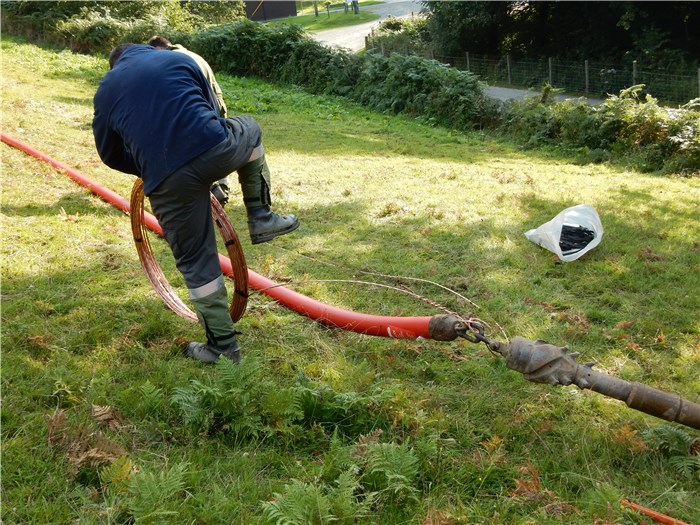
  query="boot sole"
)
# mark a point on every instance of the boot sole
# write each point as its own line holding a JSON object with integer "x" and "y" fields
{"x": 264, "y": 237}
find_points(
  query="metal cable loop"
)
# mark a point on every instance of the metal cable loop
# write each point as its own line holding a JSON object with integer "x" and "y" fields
{"x": 155, "y": 274}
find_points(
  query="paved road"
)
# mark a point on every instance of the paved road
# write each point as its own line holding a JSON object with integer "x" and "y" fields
{"x": 353, "y": 38}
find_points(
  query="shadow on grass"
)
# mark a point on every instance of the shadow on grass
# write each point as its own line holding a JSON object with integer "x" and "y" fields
{"x": 79, "y": 202}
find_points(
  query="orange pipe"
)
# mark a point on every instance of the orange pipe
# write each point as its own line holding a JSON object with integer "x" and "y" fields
{"x": 384, "y": 326}
{"x": 656, "y": 516}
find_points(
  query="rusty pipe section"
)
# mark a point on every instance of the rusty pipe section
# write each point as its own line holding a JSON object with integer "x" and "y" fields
{"x": 541, "y": 362}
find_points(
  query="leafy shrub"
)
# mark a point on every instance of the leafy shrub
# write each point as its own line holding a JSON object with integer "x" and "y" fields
{"x": 422, "y": 87}
{"x": 410, "y": 34}
{"x": 650, "y": 136}
{"x": 91, "y": 27}
{"x": 92, "y": 30}
{"x": 320, "y": 69}
{"x": 246, "y": 48}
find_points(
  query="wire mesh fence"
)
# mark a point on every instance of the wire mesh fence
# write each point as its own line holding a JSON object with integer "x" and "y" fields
{"x": 588, "y": 78}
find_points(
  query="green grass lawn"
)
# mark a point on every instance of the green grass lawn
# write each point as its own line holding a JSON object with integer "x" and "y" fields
{"x": 307, "y": 7}
{"x": 327, "y": 19}
{"x": 103, "y": 420}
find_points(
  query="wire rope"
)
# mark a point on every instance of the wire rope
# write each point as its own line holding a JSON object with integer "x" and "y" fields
{"x": 155, "y": 274}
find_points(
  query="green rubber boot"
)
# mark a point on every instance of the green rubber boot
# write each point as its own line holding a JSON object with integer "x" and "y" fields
{"x": 212, "y": 312}
{"x": 263, "y": 224}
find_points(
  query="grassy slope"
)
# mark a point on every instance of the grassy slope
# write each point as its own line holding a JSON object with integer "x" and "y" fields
{"x": 327, "y": 20}
{"x": 81, "y": 326}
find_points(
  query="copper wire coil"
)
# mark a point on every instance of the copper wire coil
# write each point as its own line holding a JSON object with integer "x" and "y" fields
{"x": 155, "y": 273}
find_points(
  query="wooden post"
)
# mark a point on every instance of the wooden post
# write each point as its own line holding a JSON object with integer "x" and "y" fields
{"x": 550, "y": 71}
{"x": 585, "y": 72}
{"x": 634, "y": 72}
{"x": 699, "y": 81}
{"x": 469, "y": 69}
{"x": 508, "y": 68}
{"x": 383, "y": 54}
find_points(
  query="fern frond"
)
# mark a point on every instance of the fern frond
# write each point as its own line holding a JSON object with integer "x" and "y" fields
{"x": 669, "y": 439}
{"x": 190, "y": 405}
{"x": 154, "y": 493}
{"x": 348, "y": 502}
{"x": 338, "y": 458}
{"x": 116, "y": 476}
{"x": 687, "y": 466}
{"x": 151, "y": 400}
{"x": 299, "y": 504}
{"x": 281, "y": 408}
{"x": 241, "y": 376}
{"x": 391, "y": 468}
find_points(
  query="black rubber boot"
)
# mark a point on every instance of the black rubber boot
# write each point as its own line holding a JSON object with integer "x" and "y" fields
{"x": 264, "y": 224}
{"x": 221, "y": 192}
{"x": 209, "y": 353}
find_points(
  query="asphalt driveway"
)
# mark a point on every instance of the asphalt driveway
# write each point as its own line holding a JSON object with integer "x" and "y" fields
{"x": 353, "y": 37}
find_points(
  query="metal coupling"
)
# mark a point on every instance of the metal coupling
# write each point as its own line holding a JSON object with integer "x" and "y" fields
{"x": 541, "y": 362}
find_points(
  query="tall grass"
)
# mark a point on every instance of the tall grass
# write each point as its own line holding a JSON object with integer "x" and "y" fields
{"x": 104, "y": 421}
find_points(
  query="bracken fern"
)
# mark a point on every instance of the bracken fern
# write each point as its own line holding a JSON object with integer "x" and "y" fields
{"x": 153, "y": 493}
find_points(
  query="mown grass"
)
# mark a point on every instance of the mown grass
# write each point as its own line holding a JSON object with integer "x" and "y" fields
{"x": 333, "y": 18}
{"x": 305, "y": 7}
{"x": 81, "y": 325}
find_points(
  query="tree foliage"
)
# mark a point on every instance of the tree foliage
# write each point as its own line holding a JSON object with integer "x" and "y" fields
{"x": 656, "y": 31}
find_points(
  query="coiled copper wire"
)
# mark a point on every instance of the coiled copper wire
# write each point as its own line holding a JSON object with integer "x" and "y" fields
{"x": 155, "y": 273}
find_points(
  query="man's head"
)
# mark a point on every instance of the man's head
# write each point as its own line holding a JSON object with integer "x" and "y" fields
{"x": 159, "y": 42}
{"x": 116, "y": 54}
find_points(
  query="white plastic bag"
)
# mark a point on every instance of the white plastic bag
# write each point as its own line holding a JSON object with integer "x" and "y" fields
{"x": 580, "y": 223}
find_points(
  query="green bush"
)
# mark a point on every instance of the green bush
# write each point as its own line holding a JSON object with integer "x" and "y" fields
{"x": 320, "y": 69}
{"x": 426, "y": 88}
{"x": 96, "y": 27}
{"x": 403, "y": 33}
{"x": 246, "y": 48}
{"x": 652, "y": 137}
{"x": 92, "y": 30}
{"x": 397, "y": 84}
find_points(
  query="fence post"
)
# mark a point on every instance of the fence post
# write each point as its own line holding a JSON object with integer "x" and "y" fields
{"x": 699, "y": 81}
{"x": 508, "y": 67}
{"x": 383, "y": 54}
{"x": 586, "y": 74}
{"x": 469, "y": 70}
{"x": 634, "y": 72}
{"x": 550, "y": 71}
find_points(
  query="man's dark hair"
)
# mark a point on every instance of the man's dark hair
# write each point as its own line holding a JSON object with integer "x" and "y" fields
{"x": 116, "y": 54}
{"x": 159, "y": 41}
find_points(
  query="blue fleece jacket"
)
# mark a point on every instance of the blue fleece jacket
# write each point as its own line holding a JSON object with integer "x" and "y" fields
{"x": 154, "y": 113}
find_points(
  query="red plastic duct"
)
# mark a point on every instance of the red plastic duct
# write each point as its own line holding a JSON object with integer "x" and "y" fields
{"x": 393, "y": 327}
